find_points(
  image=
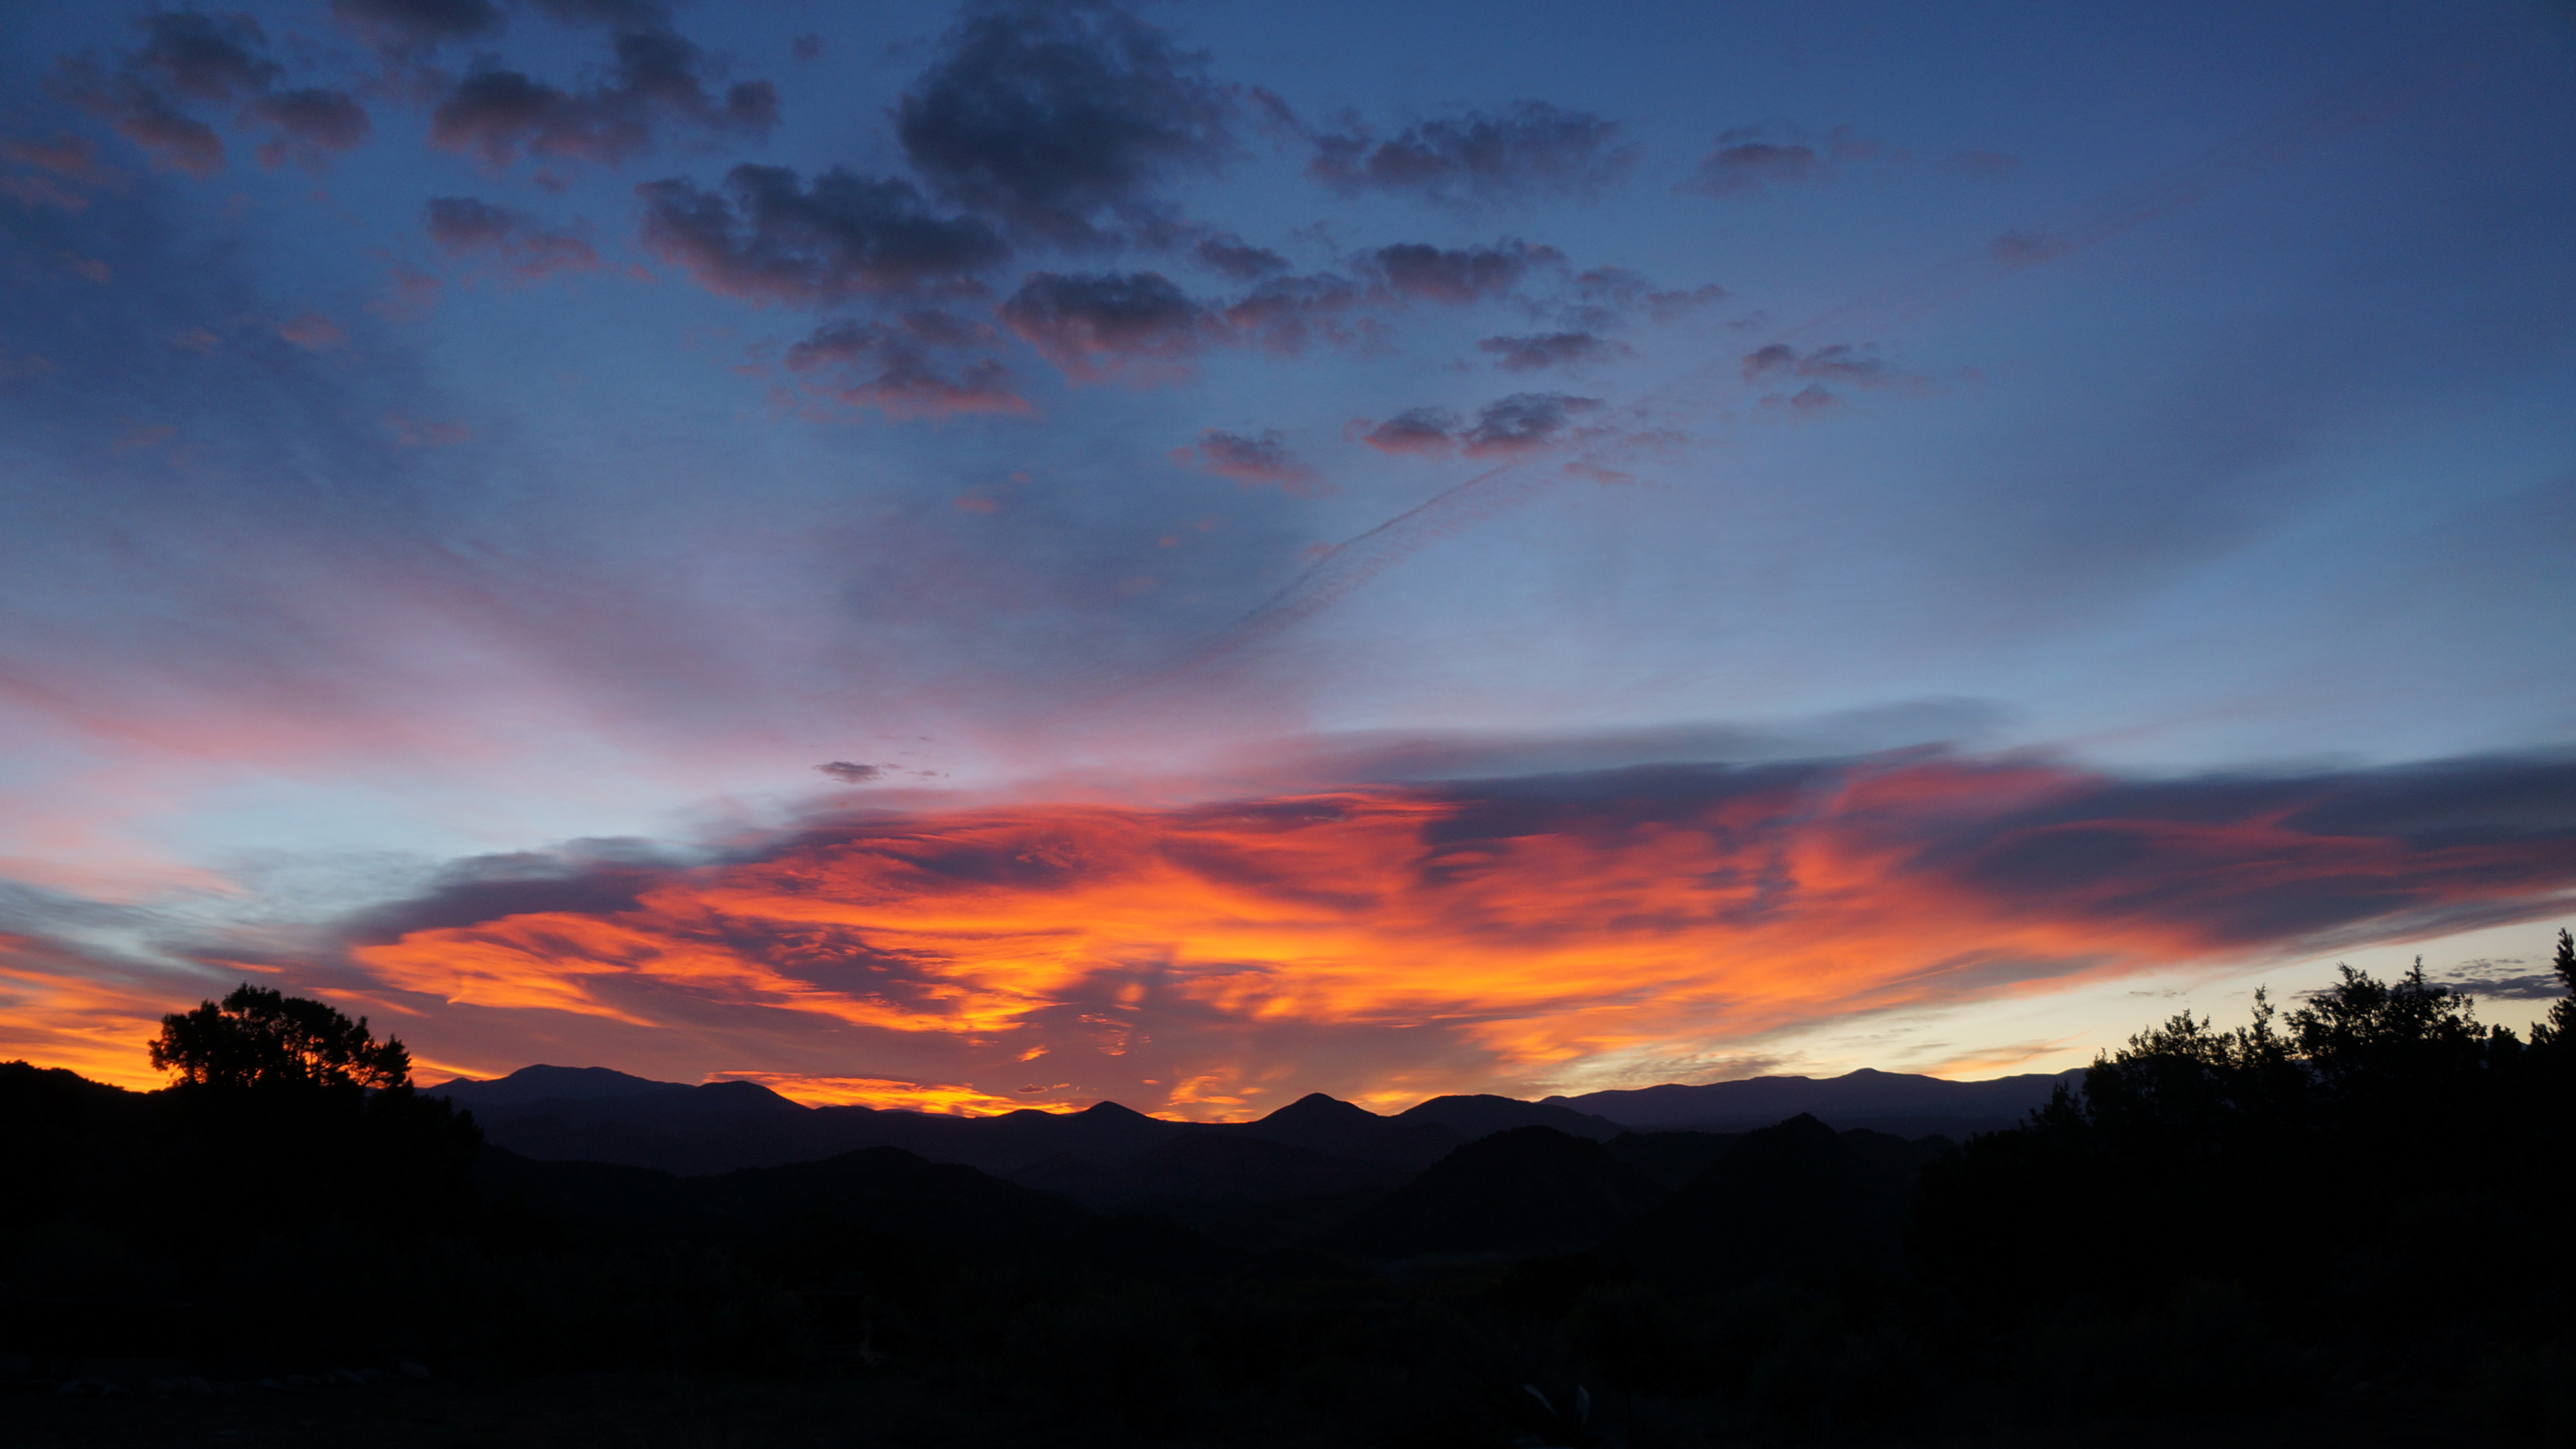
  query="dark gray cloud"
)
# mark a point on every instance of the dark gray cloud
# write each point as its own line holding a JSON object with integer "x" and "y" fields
{"x": 906, "y": 370}
{"x": 1056, "y": 117}
{"x": 2255, "y": 857}
{"x": 310, "y": 121}
{"x": 1672, "y": 306}
{"x": 1504, "y": 427}
{"x": 1852, "y": 366}
{"x": 1538, "y": 351}
{"x": 659, "y": 78}
{"x": 206, "y": 57}
{"x": 585, "y": 877}
{"x": 410, "y": 28}
{"x": 1237, "y": 260}
{"x": 2504, "y": 979}
{"x": 1750, "y": 160}
{"x": 1416, "y": 271}
{"x": 61, "y": 173}
{"x": 218, "y": 61}
{"x": 850, "y": 774}
{"x": 1260, "y": 459}
{"x": 1601, "y": 298}
{"x": 143, "y": 115}
{"x": 1523, "y": 421}
{"x": 1529, "y": 148}
{"x": 1429, "y": 431}
{"x": 1287, "y": 314}
{"x": 618, "y": 14}
{"x": 463, "y": 226}
{"x": 765, "y": 238}
{"x": 1111, "y": 324}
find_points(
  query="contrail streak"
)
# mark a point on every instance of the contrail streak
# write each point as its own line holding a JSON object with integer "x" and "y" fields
{"x": 1355, "y": 563}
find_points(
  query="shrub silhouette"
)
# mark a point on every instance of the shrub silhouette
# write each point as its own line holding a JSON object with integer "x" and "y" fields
{"x": 2559, "y": 1031}
{"x": 2373, "y": 1117}
{"x": 263, "y": 1038}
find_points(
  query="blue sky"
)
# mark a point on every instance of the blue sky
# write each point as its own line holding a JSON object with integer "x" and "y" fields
{"x": 428, "y": 445}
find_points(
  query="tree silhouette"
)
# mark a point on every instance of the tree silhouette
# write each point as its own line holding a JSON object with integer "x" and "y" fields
{"x": 2560, "y": 1029}
{"x": 262, "y": 1038}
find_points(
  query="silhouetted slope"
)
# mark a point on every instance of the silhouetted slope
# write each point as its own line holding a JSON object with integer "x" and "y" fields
{"x": 1340, "y": 1129}
{"x": 726, "y": 1126}
{"x": 881, "y": 1190}
{"x": 549, "y": 1084}
{"x": 1672, "y": 1158}
{"x": 1010, "y": 1143}
{"x": 1207, "y": 1167}
{"x": 1795, "y": 1201}
{"x": 1529, "y": 1190}
{"x": 71, "y": 1144}
{"x": 1485, "y": 1115}
{"x": 1894, "y": 1102}
{"x": 596, "y": 1115}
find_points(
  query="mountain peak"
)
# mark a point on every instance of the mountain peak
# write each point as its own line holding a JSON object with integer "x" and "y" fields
{"x": 550, "y": 1083}
{"x": 1317, "y": 1109}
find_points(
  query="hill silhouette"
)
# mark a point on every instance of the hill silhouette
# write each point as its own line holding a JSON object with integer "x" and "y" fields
{"x": 1483, "y": 1115}
{"x": 1793, "y": 1201}
{"x": 879, "y": 1190}
{"x": 1525, "y": 1191}
{"x": 1898, "y": 1103}
{"x": 1208, "y": 1168}
{"x": 597, "y": 1115}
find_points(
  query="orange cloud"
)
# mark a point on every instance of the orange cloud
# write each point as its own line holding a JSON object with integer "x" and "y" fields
{"x": 1387, "y": 943}
{"x": 64, "y": 1013}
{"x": 881, "y": 1093}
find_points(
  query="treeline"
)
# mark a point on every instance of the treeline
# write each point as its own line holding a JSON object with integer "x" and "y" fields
{"x": 2328, "y": 1224}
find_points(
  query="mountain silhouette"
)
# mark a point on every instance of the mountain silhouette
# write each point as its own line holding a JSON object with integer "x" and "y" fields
{"x": 1528, "y": 1190}
{"x": 1485, "y": 1115}
{"x": 880, "y": 1190}
{"x": 551, "y": 1084}
{"x": 1793, "y": 1201}
{"x": 1207, "y": 1168}
{"x": 1097, "y": 1155}
{"x": 1671, "y": 1159}
{"x": 1343, "y": 1129}
{"x": 1893, "y": 1102}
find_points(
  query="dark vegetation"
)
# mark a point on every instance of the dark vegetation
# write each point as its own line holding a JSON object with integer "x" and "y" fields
{"x": 2347, "y": 1223}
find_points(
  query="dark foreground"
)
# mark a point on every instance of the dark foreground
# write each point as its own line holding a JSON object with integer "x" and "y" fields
{"x": 2347, "y": 1225}
{"x": 621, "y": 1411}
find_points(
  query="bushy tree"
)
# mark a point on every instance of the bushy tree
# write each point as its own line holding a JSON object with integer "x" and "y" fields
{"x": 263, "y": 1038}
{"x": 2559, "y": 1031}
{"x": 2373, "y": 1105}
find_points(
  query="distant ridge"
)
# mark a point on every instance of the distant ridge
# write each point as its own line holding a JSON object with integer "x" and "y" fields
{"x": 1896, "y": 1102}
{"x": 1108, "y": 1153}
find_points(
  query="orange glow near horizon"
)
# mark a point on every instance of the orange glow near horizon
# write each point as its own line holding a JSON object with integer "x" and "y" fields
{"x": 1085, "y": 930}
{"x": 94, "y": 1027}
{"x": 1389, "y": 944}
{"x": 880, "y": 1093}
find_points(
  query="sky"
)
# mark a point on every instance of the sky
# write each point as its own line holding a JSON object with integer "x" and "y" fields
{"x": 1189, "y": 554}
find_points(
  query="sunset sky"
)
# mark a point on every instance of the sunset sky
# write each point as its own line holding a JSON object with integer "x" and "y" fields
{"x": 1191, "y": 554}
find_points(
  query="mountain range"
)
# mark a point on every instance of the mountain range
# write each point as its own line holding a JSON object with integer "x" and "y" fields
{"x": 1325, "y": 1160}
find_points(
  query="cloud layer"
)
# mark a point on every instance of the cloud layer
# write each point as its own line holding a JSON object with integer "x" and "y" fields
{"x": 1516, "y": 934}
